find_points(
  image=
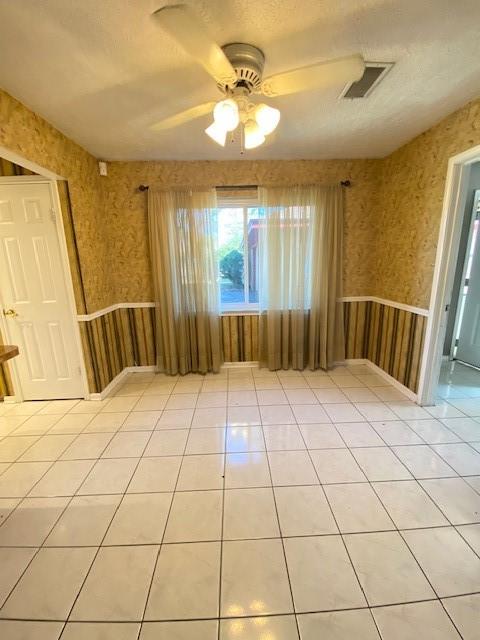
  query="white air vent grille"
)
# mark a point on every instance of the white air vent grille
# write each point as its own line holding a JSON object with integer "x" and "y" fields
{"x": 373, "y": 74}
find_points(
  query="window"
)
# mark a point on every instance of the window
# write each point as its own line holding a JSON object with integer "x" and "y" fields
{"x": 237, "y": 252}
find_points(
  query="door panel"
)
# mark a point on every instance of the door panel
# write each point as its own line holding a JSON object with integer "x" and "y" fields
{"x": 15, "y": 270}
{"x": 32, "y": 210}
{"x": 59, "y": 351}
{"x": 468, "y": 348}
{"x": 32, "y": 283}
{"x": 31, "y": 349}
{"x": 6, "y": 213}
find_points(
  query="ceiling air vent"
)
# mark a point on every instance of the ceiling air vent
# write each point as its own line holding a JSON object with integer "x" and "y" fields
{"x": 373, "y": 74}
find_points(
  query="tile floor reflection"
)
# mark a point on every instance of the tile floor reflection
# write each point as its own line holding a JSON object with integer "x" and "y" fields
{"x": 244, "y": 505}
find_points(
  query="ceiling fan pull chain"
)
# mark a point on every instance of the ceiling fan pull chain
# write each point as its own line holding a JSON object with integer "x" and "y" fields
{"x": 242, "y": 141}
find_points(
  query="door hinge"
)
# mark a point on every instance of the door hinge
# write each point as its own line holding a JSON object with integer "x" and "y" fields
{"x": 52, "y": 215}
{"x": 467, "y": 281}
{"x": 456, "y": 342}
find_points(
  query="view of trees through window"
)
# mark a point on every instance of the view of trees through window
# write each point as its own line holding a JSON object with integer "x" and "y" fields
{"x": 237, "y": 251}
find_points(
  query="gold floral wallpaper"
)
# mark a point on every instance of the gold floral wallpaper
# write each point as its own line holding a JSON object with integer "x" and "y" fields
{"x": 29, "y": 135}
{"x": 409, "y": 206}
{"x": 393, "y": 208}
{"x": 392, "y": 217}
{"x": 125, "y": 209}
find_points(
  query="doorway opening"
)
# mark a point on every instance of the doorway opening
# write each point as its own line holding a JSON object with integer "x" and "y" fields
{"x": 460, "y": 370}
{"x": 451, "y": 360}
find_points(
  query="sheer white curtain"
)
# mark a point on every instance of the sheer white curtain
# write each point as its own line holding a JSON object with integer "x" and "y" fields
{"x": 182, "y": 235}
{"x": 301, "y": 320}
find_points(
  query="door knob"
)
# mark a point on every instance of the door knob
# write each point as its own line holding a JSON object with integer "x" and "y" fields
{"x": 10, "y": 313}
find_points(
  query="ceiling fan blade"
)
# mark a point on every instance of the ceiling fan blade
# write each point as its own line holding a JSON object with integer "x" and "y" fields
{"x": 182, "y": 23}
{"x": 183, "y": 116}
{"x": 315, "y": 76}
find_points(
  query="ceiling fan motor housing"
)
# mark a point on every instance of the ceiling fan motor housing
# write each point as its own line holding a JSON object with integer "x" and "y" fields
{"x": 248, "y": 62}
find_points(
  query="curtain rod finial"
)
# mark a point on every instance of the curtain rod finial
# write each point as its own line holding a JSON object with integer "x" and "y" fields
{"x": 143, "y": 187}
{"x": 345, "y": 183}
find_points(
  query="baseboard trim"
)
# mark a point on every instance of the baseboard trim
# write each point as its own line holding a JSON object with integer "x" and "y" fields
{"x": 379, "y": 371}
{"x": 239, "y": 365}
{"x": 113, "y": 384}
{"x": 11, "y": 399}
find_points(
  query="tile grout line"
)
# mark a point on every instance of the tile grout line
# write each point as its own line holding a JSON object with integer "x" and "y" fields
{"x": 99, "y": 547}
{"x": 340, "y": 532}
{"x": 218, "y": 540}
{"x": 167, "y": 518}
{"x": 431, "y": 585}
{"x": 211, "y": 453}
{"x": 281, "y": 537}
{"x": 265, "y": 615}
{"x": 397, "y": 530}
{"x": 222, "y": 525}
{"x": 223, "y": 492}
{"x": 403, "y": 537}
{"x": 46, "y": 497}
{"x": 408, "y": 546}
{"x": 260, "y": 486}
{"x": 40, "y": 547}
{"x": 42, "y": 497}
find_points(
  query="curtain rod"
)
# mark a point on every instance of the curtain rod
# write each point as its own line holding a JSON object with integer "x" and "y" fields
{"x": 144, "y": 187}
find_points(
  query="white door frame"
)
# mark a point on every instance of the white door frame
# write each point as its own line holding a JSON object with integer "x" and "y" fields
{"x": 18, "y": 397}
{"x": 453, "y": 211}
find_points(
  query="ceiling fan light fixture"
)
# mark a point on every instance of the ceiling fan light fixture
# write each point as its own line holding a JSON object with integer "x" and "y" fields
{"x": 225, "y": 114}
{"x": 253, "y": 135}
{"x": 267, "y": 118}
{"x": 217, "y": 133}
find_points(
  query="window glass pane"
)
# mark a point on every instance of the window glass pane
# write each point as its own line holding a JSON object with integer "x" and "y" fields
{"x": 255, "y": 215}
{"x": 230, "y": 255}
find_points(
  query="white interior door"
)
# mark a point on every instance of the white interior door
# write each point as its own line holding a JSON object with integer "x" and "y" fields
{"x": 468, "y": 341}
{"x": 33, "y": 291}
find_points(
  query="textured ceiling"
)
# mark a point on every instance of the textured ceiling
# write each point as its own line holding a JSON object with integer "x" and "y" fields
{"x": 102, "y": 71}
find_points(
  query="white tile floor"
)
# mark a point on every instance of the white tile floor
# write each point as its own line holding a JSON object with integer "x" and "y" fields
{"x": 244, "y": 505}
{"x": 458, "y": 381}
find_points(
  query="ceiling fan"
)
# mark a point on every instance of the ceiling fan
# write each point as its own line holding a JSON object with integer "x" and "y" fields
{"x": 238, "y": 71}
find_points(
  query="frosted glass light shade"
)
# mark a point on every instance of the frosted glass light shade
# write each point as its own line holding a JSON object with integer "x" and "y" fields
{"x": 267, "y": 118}
{"x": 253, "y": 135}
{"x": 225, "y": 114}
{"x": 217, "y": 133}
